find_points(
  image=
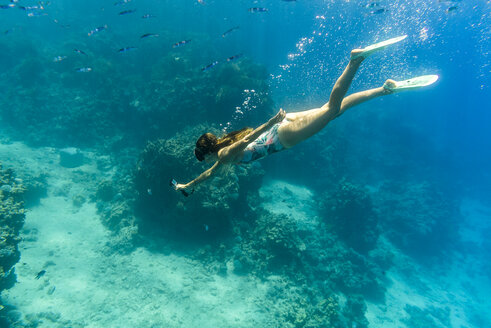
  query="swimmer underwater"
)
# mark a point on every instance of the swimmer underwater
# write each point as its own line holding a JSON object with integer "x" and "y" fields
{"x": 285, "y": 130}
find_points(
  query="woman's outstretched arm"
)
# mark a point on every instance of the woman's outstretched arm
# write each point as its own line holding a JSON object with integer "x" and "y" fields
{"x": 202, "y": 177}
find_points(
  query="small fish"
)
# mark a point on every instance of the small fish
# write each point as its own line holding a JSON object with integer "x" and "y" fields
{"x": 97, "y": 29}
{"x": 11, "y": 5}
{"x": 149, "y": 191}
{"x": 35, "y": 14}
{"x": 180, "y": 43}
{"x": 201, "y": 2}
{"x": 289, "y": 0}
{"x": 126, "y": 49}
{"x": 453, "y": 8}
{"x": 258, "y": 10}
{"x": 146, "y": 16}
{"x": 40, "y": 274}
{"x": 2, "y": 307}
{"x": 61, "y": 25}
{"x": 206, "y": 227}
{"x": 126, "y": 12}
{"x": 149, "y": 35}
{"x": 209, "y": 66}
{"x": 372, "y": 5}
{"x": 80, "y": 52}
{"x": 83, "y": 69}
{"x": 58, "y": 59}
{"x": 230, "y": 31}
{"x": 43, "y": 4}
{"x": 229, "y": 59}
{"x": 121, "y": 2}
{"x": 27, "y": 8}
{"x": 51, "y": 290}
{"x": 379, "y": 11}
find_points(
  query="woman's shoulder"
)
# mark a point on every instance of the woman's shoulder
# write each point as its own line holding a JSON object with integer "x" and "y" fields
{"x": 231, "y": 154}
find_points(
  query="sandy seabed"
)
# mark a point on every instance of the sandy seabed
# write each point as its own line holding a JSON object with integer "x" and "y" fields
{"x": 88, "y": 285}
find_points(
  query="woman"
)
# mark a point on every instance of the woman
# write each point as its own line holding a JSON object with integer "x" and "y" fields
{"x": 284, "y": 130}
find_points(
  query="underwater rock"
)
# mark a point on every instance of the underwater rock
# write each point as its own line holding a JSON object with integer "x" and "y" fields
{"x": 115, "y": 108}
{"x": 294, "y": 305}
{"x": 36, "y": 188}
{"x": 71, "y": 157}
{"x": 270, "y": 244}
{"x": 348, "y": 210}
{"x": 12, "y": 215}
{"x": 105, "y": 191}
{"x": 6, "y": 188}
{"x": 418, "y": 218}
{"x": 78, "y": 200}
{"x": 207, "y": 212}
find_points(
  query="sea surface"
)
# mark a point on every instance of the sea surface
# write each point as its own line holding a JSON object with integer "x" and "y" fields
{"x": 382, "y": 219}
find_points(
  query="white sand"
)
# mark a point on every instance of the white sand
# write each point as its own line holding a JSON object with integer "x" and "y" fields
{"x": 85, "y": 287}
{"x": 298, "y": 202}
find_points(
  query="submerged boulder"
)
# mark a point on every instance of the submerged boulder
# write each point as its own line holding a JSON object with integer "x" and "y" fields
{"x": 209, "y": 210}
{"x": 12, "y": 215}
{"x": 71, "y": 157}
{"x": 348, "y": 210}
{"x": 418, "y": 218}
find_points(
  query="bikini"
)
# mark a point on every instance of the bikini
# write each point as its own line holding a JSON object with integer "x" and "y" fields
{"x": 267, "y": 143}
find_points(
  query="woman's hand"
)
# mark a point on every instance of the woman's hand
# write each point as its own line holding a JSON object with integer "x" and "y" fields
{"x": 280, "y": 116}
{"x": 181, "y": 186}
{"x": 182, "y": 189}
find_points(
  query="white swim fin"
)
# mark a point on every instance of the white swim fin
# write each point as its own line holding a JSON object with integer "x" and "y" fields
{"x": 414, "y": 83}
{"x": 378, "y": 46}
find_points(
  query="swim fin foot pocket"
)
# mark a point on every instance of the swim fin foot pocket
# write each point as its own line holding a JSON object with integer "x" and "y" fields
{"x": 414, "y": 83}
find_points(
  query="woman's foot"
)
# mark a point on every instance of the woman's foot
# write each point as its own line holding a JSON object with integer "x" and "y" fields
{"x": 356, "y": 55}
{"x": 389, "y": 86}
{"x": 414, "y": 83}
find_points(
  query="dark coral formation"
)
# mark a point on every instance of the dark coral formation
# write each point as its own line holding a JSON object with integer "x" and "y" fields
{"x": 231, "y": 234}
{"x": 12, "y": 215}
{"x": 268, "y": 244}
{"x": 418, "y": 218}
{"x": 209, "y": 209}
{"x": 348, "y": 210}
{"x": 55, "y": 105}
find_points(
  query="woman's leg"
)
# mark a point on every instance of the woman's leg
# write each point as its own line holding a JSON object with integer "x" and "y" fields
{"x": 303, "y": 127}
{"x": 360, "y": 97}
{"x": 348, "y": 102}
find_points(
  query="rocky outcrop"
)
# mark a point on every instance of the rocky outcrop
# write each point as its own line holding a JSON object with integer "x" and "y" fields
{"x": 12, "y": 215}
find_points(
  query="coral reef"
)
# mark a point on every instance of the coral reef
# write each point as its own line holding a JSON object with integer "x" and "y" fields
{"x": 343, "y": 269}
{"x": 55, "y": 105}
{"x": 209, "y": 210}
{"x": 12, "y": 216}
{"x": 297, "y": 307}
{"x": 268, "y": 244}
{"x": 349, "y": 212}
{"x": 418, "y": 218}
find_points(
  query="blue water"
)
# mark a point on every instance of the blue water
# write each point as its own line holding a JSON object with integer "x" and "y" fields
{"x": 414, "y": 157}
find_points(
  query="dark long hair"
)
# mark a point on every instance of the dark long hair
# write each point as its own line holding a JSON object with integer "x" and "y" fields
{"x": 208, "y": 143}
